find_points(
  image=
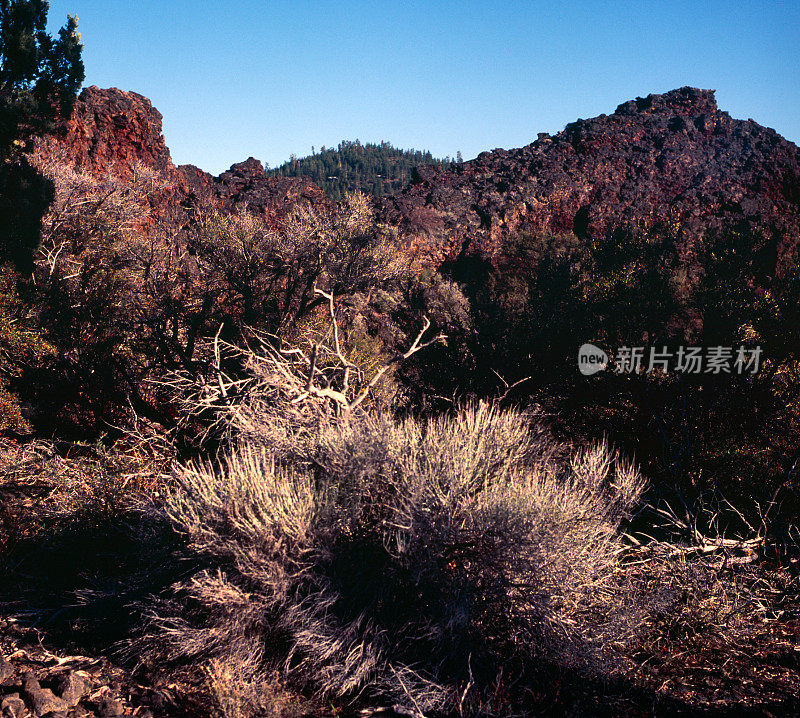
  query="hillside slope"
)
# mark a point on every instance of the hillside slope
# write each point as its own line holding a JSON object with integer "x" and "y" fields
{"x": 112, "y": 133}
{"x": 376, "y": 169}
{"x": 671, "y": 158}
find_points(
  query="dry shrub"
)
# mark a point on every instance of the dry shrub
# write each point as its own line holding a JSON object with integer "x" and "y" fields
{"x": 402, "y": 560}
{"x": 69, "y": 541}
{"x": 82, "y": 486}
{"x": 21, "y": 346}
{"x": 235, "y": 690}
{"x": 88, "y": 210}
{"x": 269, "y": 274}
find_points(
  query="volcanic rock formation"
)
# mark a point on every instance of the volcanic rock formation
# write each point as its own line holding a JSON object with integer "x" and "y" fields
{"x": 113, "y": 133}
{"x": 109, "y": 134}
{"x": 671, "y": 158}
{"x": 246, "y": 184}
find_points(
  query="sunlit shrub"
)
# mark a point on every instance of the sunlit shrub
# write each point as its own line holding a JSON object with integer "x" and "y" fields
{"x": 395, "y": 558}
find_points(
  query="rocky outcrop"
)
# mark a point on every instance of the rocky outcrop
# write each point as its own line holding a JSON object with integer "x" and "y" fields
{"x": 110, "y": 134}
{"x": 664, "y": 158}
{"x": 201, "y": 190}
{"x": 114, "y": 134}
{"x": 246, "y": 184}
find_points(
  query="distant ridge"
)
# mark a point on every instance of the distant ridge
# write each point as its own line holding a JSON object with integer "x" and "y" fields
{"x": 669, "y": 158}
{"x": 376, "y": 169}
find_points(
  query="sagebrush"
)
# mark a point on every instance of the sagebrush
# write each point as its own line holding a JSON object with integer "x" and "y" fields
{"x": 402, "y": 559}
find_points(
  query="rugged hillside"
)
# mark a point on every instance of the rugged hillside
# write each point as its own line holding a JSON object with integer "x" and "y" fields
{"x": 665, "y": 158}
{"x": 247, "y": 184}
{"x": 112, "y": 132}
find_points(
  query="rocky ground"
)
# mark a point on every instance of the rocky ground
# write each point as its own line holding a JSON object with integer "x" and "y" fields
{"x": 758, "y": 675}
{"x": 53, "y": 507}
{"x": 36, "y": 682}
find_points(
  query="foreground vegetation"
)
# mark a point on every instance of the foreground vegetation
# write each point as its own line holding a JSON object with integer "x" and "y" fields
{"x": 332, "y": 557}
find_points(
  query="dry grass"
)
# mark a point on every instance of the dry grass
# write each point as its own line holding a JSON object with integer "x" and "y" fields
{"x": 44, "y": 489}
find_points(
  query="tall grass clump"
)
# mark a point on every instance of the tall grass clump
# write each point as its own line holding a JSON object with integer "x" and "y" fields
{"x": 405, "y": 560}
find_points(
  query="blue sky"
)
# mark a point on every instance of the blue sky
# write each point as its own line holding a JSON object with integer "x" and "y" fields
{"x": 271, "y": 78}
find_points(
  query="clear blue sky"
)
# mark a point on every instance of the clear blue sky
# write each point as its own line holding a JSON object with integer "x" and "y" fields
{"x": 271, "y": 78}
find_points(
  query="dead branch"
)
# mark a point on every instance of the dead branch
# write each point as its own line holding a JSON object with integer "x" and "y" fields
{"x": 413, "y": 349}
{"x": 296, "y": 376}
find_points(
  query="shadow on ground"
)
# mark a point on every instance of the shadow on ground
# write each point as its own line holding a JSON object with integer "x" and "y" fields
{"x": 80, "y": 591}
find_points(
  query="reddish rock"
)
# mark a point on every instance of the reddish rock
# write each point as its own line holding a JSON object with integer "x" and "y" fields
{"x": 45, "y": 702}
{"x": 72, "y": 688}
{"x": 246, "y": 184}
{"x": 6, "y": 670}
{"x": 12, "y": 706}
{"x": 112, "y": 132}
{"x": 664, "y": 158}
{"x": 200, "y": 187}
{"x": 109, "y": 133}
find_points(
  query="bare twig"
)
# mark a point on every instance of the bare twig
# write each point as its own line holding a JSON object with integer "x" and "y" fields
{"x": 420, "y": 714}
{"x": 413, "y": 349}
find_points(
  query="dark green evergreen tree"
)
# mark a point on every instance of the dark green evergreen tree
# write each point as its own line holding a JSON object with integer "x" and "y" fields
{"x": 377, "y": 169}
{"x": 39, "y": 75}
{"x": 39, "y": 79}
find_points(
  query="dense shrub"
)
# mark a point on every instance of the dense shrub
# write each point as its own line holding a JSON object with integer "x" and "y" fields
{"x": 396, "y": 558}
{"x": 21, "y": 347}
{"x": 266, "y": 276}
{"x": 124, "y": 296}
{"x": 544, "y": 295}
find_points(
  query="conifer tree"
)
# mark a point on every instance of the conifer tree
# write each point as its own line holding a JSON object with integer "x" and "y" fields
{"x": 375, "y": 169}
{"x": 39, "y": 79}
{"x": 39, "y": 75}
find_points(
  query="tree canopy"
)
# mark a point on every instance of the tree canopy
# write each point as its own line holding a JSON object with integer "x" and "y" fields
{"x": 39, "y": 79}
{"x": 375, "y": 169}
{"x": 39, "y": 75}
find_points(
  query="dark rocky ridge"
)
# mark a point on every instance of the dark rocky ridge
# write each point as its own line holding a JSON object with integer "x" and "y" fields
{"x": 664, "y": 158}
